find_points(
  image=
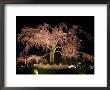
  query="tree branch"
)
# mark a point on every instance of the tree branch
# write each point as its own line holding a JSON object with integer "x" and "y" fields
{"x": 59, "y": 52}
{"x": 58, "y": 47}
{"x": 45, "y": 55}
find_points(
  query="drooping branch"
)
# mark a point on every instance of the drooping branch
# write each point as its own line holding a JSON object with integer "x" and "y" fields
{"x": 45, "y": 55}
{"x": 58, "y": 47}
{"x": 59, "y": 52}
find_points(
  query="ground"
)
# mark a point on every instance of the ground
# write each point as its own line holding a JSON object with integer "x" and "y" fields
{"x": 79, "y": 67}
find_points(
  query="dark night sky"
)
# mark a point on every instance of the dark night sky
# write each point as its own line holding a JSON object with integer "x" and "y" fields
{"x": 86, "y": 22}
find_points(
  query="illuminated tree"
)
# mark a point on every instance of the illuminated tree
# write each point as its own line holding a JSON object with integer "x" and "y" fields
{"x": 50, "y": 39}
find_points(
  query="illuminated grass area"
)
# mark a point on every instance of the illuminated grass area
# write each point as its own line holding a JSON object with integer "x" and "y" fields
{"x": 51, "y": 66}
{"x": 78, "y": 67}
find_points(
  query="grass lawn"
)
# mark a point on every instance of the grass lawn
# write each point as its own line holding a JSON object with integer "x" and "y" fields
{"x": 55, "y": 69}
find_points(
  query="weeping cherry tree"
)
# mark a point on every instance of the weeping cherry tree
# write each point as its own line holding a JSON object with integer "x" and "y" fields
{"x": 50, "y": 38}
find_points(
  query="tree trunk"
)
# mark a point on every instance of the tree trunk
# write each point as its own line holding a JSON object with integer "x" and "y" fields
{"x": 26, "y": 62}
{"x": 53, "y": 49}
{"x": 51, "y": 57}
